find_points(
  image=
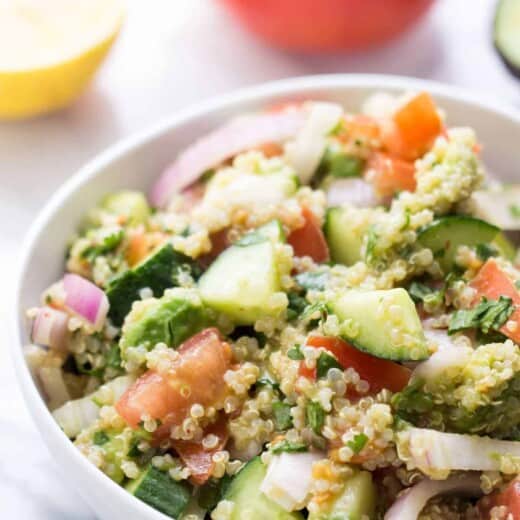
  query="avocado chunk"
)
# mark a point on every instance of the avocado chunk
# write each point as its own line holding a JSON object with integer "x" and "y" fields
{"x": 159, "y": 271}
{"x": 382, "y": 323}
{"x": 249, "y": 501}
{"x": 242, "y": 281}
{"x": 172, "y": 319}
{"x": 445, "y": 235}
{"x": 357, "y": 500}
{"x": 130, "y": 204}
{"x": 159, "y": 490}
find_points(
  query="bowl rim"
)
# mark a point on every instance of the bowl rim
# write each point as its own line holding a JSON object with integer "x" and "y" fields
{"x": 44, "y": 422}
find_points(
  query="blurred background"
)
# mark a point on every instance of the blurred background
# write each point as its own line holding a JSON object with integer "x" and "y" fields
{"x": 174, "y": 53}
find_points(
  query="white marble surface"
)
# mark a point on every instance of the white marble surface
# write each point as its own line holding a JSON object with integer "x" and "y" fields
{"x": 170, "y": 54}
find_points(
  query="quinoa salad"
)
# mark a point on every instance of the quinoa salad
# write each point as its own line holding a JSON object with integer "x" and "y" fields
{"x": 312, "y": 314}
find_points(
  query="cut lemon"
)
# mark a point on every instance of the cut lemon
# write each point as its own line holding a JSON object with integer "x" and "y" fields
{"x": 50, "y": 49}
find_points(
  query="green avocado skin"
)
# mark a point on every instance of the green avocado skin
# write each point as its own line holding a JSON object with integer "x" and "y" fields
{"x": 170, "y": 319}
{"x": 158, "y": 272}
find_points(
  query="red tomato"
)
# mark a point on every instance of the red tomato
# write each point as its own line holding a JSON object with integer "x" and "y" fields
{"x": 391, "y": 175}
{"x": 413, "y": 128}
{"x": 379, "y": 373}
{"x": 509, "y": 497}
{"x": 197, "y": 376}
{"x": 309, "y": 240}
{"x": 328, "y": 25}
{"x": 196, "y": 457}
{"x": 359, "y": 127}
{"x": 492, "y": 283}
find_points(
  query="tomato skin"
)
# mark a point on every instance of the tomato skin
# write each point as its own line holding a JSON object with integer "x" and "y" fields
{"x": 509, "y": 497}
{"x": 491, "y": 282}
{"x": 327, "y": 25}
{"x": 413, "y": 128}
{"x": 379, "y": 373}
{"x": 198, "y": 459}
{"x": 197, "y": 376}
{"x": 309, "y": 239}
{"x": 391, "y": 175}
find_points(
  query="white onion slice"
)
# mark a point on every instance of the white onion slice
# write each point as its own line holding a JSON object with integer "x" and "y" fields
{"x": 74, "y": 416}
{"x": 411, "y": 502}
{"x": 85, "y": 299}
{"x": 307, "y": 149}
{"x": 288, "y": 479}
{"x": 353, "y": 191}
{"x": 433, "y": 451}
{"x": 445, "y": 359}
{"x": 239, "y": 134}
{"x": 50, "y": 328}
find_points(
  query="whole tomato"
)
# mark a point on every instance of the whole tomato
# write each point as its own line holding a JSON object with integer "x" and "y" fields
{"x": 327, "y": 25}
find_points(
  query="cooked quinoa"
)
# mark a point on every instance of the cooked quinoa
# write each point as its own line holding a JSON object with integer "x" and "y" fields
{"x": 235, "y": 347}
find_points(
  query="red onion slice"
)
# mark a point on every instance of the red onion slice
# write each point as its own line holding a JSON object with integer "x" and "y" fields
{"x": 226, "y": 141}
{"x": 50, "y": 328}
{"x": 411, "y": 502}
{"x": 85, "y": 299}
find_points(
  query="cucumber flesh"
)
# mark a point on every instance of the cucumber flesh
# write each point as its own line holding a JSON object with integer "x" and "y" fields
{"x": 242, "y": 281}
{"x": 249, "y": 501}
{"x": 499, "y": 207}
{"x": 344, "y": 230}
{"x": 384, "y": 324}
{"x": 445, "y": 235}
{"x": 160, "y": 491}
{"x": 272, "y": 231}
{"x": 507, "y": 33}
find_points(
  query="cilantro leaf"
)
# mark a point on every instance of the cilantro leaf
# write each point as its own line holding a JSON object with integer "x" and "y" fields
{"x": 325, "y": 363}
{"x": 109, "y": 243}
{"x": 315, "y": 416}
{"x": 295, "y": 353}
{"x": 282, "y": 415}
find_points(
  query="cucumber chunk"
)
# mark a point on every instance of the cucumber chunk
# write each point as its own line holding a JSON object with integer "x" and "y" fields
{"x": 249, "y": 501}
{"x": 344, "y": 230}
{"x": 382, "y": 323}
{"x": 356, "y": 502}
{"x": 242, "y": 281}
{"x": 159, "y": 271}
{"x": 445, "y": 235}
{"x": 507, "y": 34}
{"x": 272, "y": 231}
{"x": 159, "y": 490}
{"x": 130, "y": 204}
{"x": 172, "y": 319}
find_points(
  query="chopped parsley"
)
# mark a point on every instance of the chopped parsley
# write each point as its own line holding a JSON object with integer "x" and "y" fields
{"x": 289, "y": 447}
{"x": 485, "y": 251}
{"x": 488, "y": 315}
{"x": 514, "y": 209}
{"x": 264, "y": 381}
{"x": 282, "y": 415}
{"x": 325, "y": 363}
{"x": 315, "y": 416}
{"x": 109, "y": 243}
{"x": 297, "y": 304}
{"x": 358, "y": 442}
{"x": 100, "y": 438}
{"x": 295, "y": 353}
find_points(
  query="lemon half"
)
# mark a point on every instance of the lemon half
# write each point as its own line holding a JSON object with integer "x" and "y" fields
{"x": 50, "y": 49}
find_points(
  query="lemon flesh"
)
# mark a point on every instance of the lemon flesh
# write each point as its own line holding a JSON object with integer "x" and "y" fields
{"x": 50, "y": 49}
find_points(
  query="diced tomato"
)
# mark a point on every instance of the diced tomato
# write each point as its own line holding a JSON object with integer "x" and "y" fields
{"x": 413, "y": 128}
{"x": 379, "y": 373}
{"x": 391, "y": 175}
{"x": 509, "y": 497}
{"x": 140, "y": 245}
{"x": 196, "y": 376}
{"x": 491, "y": 282}
{"x": 270, "y": 149}
{"x": 198, "y": 459}
{"x": 309, "y": 239}
{"x": 360, "y": 127}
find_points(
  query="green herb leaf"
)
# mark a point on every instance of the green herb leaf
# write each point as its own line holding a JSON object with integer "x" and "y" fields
{"x": 297, "y": 305}
{"x": 295, "y": 353}
{"x": 487, "y": 316}
{"x": 315, "y": 416}
{"x": 312, "y": 281}
{"x": 325, "y": 363}
{"x": 358, "y": 442}
{"x": 289, "y": 447}
{"x": 485, "y": 251}
{"x": 372, "y": 238}
{"x": 282, "y": 415}
{"x": 514, "y": 209}
{"x": 109, "y": 243}
{"x": 418, "y": 291}
{"x": 100, "y": 438}
{"x": 267, "y": 382}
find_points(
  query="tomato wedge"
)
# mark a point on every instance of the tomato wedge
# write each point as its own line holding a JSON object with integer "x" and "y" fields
{"x": 196, "y": 376}
{"x": 391, "y": 175}
{"x": 508, "y": 497}
{"x": 309, "y": 239}
{"x": 491, "y": 282}
{"x": 361, "y": 127}
{"x": 198, "y": 459}
{"x": 379, "y": 373}
{"x": 413, "y": 128}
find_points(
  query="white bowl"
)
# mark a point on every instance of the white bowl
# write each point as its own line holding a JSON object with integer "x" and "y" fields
{"x": 138, "y": 160}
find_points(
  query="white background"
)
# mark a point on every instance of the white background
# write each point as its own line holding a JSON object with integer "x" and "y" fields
{"x": 173, "y": 53}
